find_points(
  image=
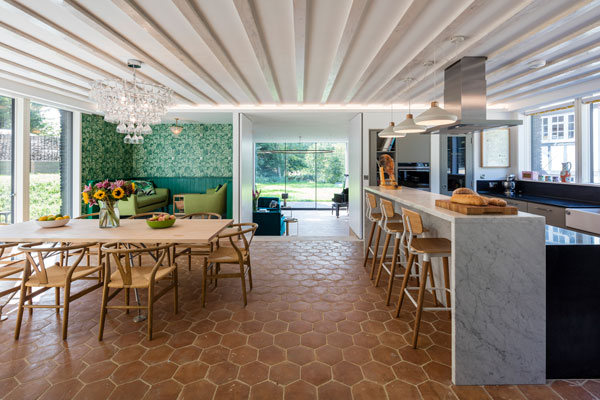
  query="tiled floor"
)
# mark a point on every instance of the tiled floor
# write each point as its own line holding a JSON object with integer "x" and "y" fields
{"x": 314, "y": 328}
{"x": 319, "y": 223}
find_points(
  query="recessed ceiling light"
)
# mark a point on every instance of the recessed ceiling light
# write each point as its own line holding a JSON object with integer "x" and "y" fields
{"x": 535, "y": 64}
{"x": 457, "y": 39}
{"x": 428, "y": 63}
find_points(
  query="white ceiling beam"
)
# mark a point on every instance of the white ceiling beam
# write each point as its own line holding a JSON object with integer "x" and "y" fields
{"x": 300, "y": 40}
{"x": 405, "y": 24}
{"x": 202, "y": 27}
{"x": 144, "y": 21}
{"x": 94, "y": 23}
{"x": 49, "y": 76}
{"x": 18, "y": 89}
{"x": 548, "y": 86}
{"x": 28, "y": 80}
{"x": 351, "y": 27}
{"x": 545, "y": 48}
{"x": 45, "y": 62}
{"x": 570, "y": 68}
{"x": 566, "y": 93}
{"x": 247, "y": 12}
{"x": 390, "y": 92}
{"x": 568, "y": 55}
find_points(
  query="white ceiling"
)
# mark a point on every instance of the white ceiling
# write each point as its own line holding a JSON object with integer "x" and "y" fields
{"x": 236, "y": 53}
{"x": 294, "y": 126}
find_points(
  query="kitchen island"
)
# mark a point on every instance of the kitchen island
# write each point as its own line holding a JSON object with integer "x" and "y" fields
{"x": 498, "y": 283}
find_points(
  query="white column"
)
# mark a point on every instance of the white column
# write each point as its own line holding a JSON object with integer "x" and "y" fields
{"x": 236, "y": 182}
{"x": 22, "y": 159}
{"x": 76, "y": 164}
{"x": 583, "y": 145}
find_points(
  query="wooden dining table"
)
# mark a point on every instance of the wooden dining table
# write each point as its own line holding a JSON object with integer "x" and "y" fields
{"x": 198, "y": 231}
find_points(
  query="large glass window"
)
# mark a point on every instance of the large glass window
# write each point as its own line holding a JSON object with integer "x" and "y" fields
{"x": 50, "y": 187}
{"x": 309, "y": 173}
{"x": 7, "y": 140}
{"x": 595, "y": 142}
{"x": 553, "y": 141}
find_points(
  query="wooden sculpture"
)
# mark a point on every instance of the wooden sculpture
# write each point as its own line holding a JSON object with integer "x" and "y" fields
{"x": 386, "y": 167}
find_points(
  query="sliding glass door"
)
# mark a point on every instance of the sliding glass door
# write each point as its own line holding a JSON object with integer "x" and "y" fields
{"x": 308, "y": 173}
{"x": 7, "y": 146}
{"x": 50, "y": 179}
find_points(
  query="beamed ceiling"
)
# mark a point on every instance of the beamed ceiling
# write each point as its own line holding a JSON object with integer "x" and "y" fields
{"x": 288, "y": 52}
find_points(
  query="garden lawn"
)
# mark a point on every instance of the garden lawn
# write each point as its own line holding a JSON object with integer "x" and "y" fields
{"x": 300, "y": 191}
{"x": 44, "y": 194}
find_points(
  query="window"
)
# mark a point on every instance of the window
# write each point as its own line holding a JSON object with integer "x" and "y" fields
{"x": 553, "y": 141}
{"x": 7, "y": 145}
{"x": 595, "y": 142}
{"x": 50, "y": 179}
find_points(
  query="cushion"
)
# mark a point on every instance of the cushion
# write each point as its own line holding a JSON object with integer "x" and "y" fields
{"x": 144, "y": 188}
{"x": 219, "y": 186}
{"x": 144, "y": 201}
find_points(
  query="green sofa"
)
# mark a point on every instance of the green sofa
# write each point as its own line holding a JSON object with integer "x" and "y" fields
{"x": 142, "y": 204}
{"x": 213, "y": 200}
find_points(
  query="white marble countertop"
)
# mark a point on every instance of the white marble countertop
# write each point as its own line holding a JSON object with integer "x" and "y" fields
{"x": 425, "y": 201}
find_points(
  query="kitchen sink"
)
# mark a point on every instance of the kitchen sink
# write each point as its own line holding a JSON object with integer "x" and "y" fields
{"x": 585, "y": 219}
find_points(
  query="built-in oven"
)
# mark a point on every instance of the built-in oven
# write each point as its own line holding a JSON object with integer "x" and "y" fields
{"x": 414, "y": 175}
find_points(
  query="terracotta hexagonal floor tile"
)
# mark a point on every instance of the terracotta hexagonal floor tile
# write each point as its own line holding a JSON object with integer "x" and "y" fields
{"x": 329, "y": 355}
{"x": 340, "y": 340}
{"x": 130, "y": 391}
{"x": 284, "y": 373}
{"x": 208, "y": 339}
{"x": 347, "y": 373}
{"x": 243, "y": 355}
{"x": 159, "y": 372}
{"x": 402, "y": 390}
{"x": 313, "y": 339}
{"x": 368, "y": 391}
{"x": 233, "y": 340}
{"x": 300, "y": 327}
{"x": 63, "y": 390}
{"x": 266, "y": 390}
{"x": 300, "y": 355}
{"x": 334, "y": 316}
{"x": 300, "y": 391}
{"x": 316, "y": 373}
{"x": 325, "y": 327}
{"x": 128, "y": 372}
{"x": 287, "y": 339}
{"x": 250, "y": 327}
{"x": 215, "y": 355}
{"x": 182, "y": 339}
{"x": 374, "y": 327}
{"x": 226, "y": 326}
{"x": 378, "y": 372}
{"x": 349, "y": 327}
{"x": 220, "y": 315}
{"x": 334, "y": 390}
{"x": 97, "y": 390}
{"x": 222, "y": 373}
{"x": 274, "y": 327}
{"x": 191, "y": 372}
{"x": 260, "y": 340}
{"x": 185, "y": 354}
{"x": 254, "y": 373}
{"x": 357, "y": 355}
{"x": 479, "y": 393}
{"x": 271, "y": 355}
{"x": 366, "y": 340}
{"x": 392, "y": 339}
{"x": 199, "y": 390}
{"x": 415, "y": 356}
{"x": 434, "y": 390}
{"x": 311, "y": 316}
{"x": 164, "y": 390}
{"x": 203, "y": 326}
{"x": 438, "y": 372}
{"x": 97, "y": 371}
{"x": 410, "y": 373}
{"x": 385, "y": 355}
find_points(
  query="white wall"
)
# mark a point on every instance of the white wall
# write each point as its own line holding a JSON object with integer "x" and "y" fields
{"x": 355, "y": 180}
{"x": 246, "y": 182}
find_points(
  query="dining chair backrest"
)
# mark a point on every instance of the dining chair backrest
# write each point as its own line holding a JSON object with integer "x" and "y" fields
{"x": 148, "y": 214}
{"x": 202, "y": 215}
{"x": 244, "y": 231}
{"x": 42, "y": 250}
{"x": 413, "y": 225}
{"x": 122, "y": 255}
{"x": 371, "y": 204}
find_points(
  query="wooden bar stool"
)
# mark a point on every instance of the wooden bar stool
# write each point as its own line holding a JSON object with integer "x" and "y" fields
{"x": 375, "y": 218}
{"x": 428, "y": 248}
{"x": 392, "y": 225}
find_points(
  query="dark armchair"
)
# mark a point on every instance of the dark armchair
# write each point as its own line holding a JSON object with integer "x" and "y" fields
{"x": 268, "y": 217}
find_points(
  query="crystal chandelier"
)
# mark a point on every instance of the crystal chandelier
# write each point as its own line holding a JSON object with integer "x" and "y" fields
{"x": 133, "y": 105}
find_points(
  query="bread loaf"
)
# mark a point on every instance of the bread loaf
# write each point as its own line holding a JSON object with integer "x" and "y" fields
{"x": 497, "y": 202}
{"x": 463, "y": 191}
{"x": 469, "y": 199}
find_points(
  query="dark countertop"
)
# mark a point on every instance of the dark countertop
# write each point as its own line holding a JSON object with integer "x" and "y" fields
{"x": 558, "y": 236}
{"x": 551, "y": 201}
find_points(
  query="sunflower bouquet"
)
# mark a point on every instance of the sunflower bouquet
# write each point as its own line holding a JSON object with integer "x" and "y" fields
{"x": 107, "y": 194}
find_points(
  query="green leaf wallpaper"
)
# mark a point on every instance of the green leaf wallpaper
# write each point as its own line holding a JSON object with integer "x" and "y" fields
{"x": 199, "y": 151}
{"x": 103, "y": 153}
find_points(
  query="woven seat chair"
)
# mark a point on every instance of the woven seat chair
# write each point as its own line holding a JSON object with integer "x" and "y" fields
{"x": 232, "y": 247}
{"x": 127, "y": 277}
{"x": 202, "y": 250}
{"x": 10, "y": 270}
{"x": 60, "y": 275}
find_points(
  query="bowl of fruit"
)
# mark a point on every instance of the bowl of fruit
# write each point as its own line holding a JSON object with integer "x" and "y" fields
{"x": 53, "y": 221}
{"x": 161, "y": 221}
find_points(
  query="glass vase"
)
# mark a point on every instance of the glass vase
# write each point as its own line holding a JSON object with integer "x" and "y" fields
{"x": 109, "y": 216}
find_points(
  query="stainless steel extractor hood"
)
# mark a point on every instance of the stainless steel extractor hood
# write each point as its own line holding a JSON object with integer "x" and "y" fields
{"x": 465, "y": 95}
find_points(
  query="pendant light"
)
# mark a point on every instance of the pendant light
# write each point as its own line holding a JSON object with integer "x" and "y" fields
{"x": 389, "y": 131}
{"x": 409, "y": 125}
{"x": 435, "y": 115}
{"x": 176, "y": 129}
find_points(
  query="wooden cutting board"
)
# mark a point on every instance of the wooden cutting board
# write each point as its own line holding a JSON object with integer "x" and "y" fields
{"x": 476, "y": 210}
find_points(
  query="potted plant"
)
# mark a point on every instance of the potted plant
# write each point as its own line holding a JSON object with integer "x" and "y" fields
{"x": 107, "y": 194}
{"x": 255, "y": 197}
